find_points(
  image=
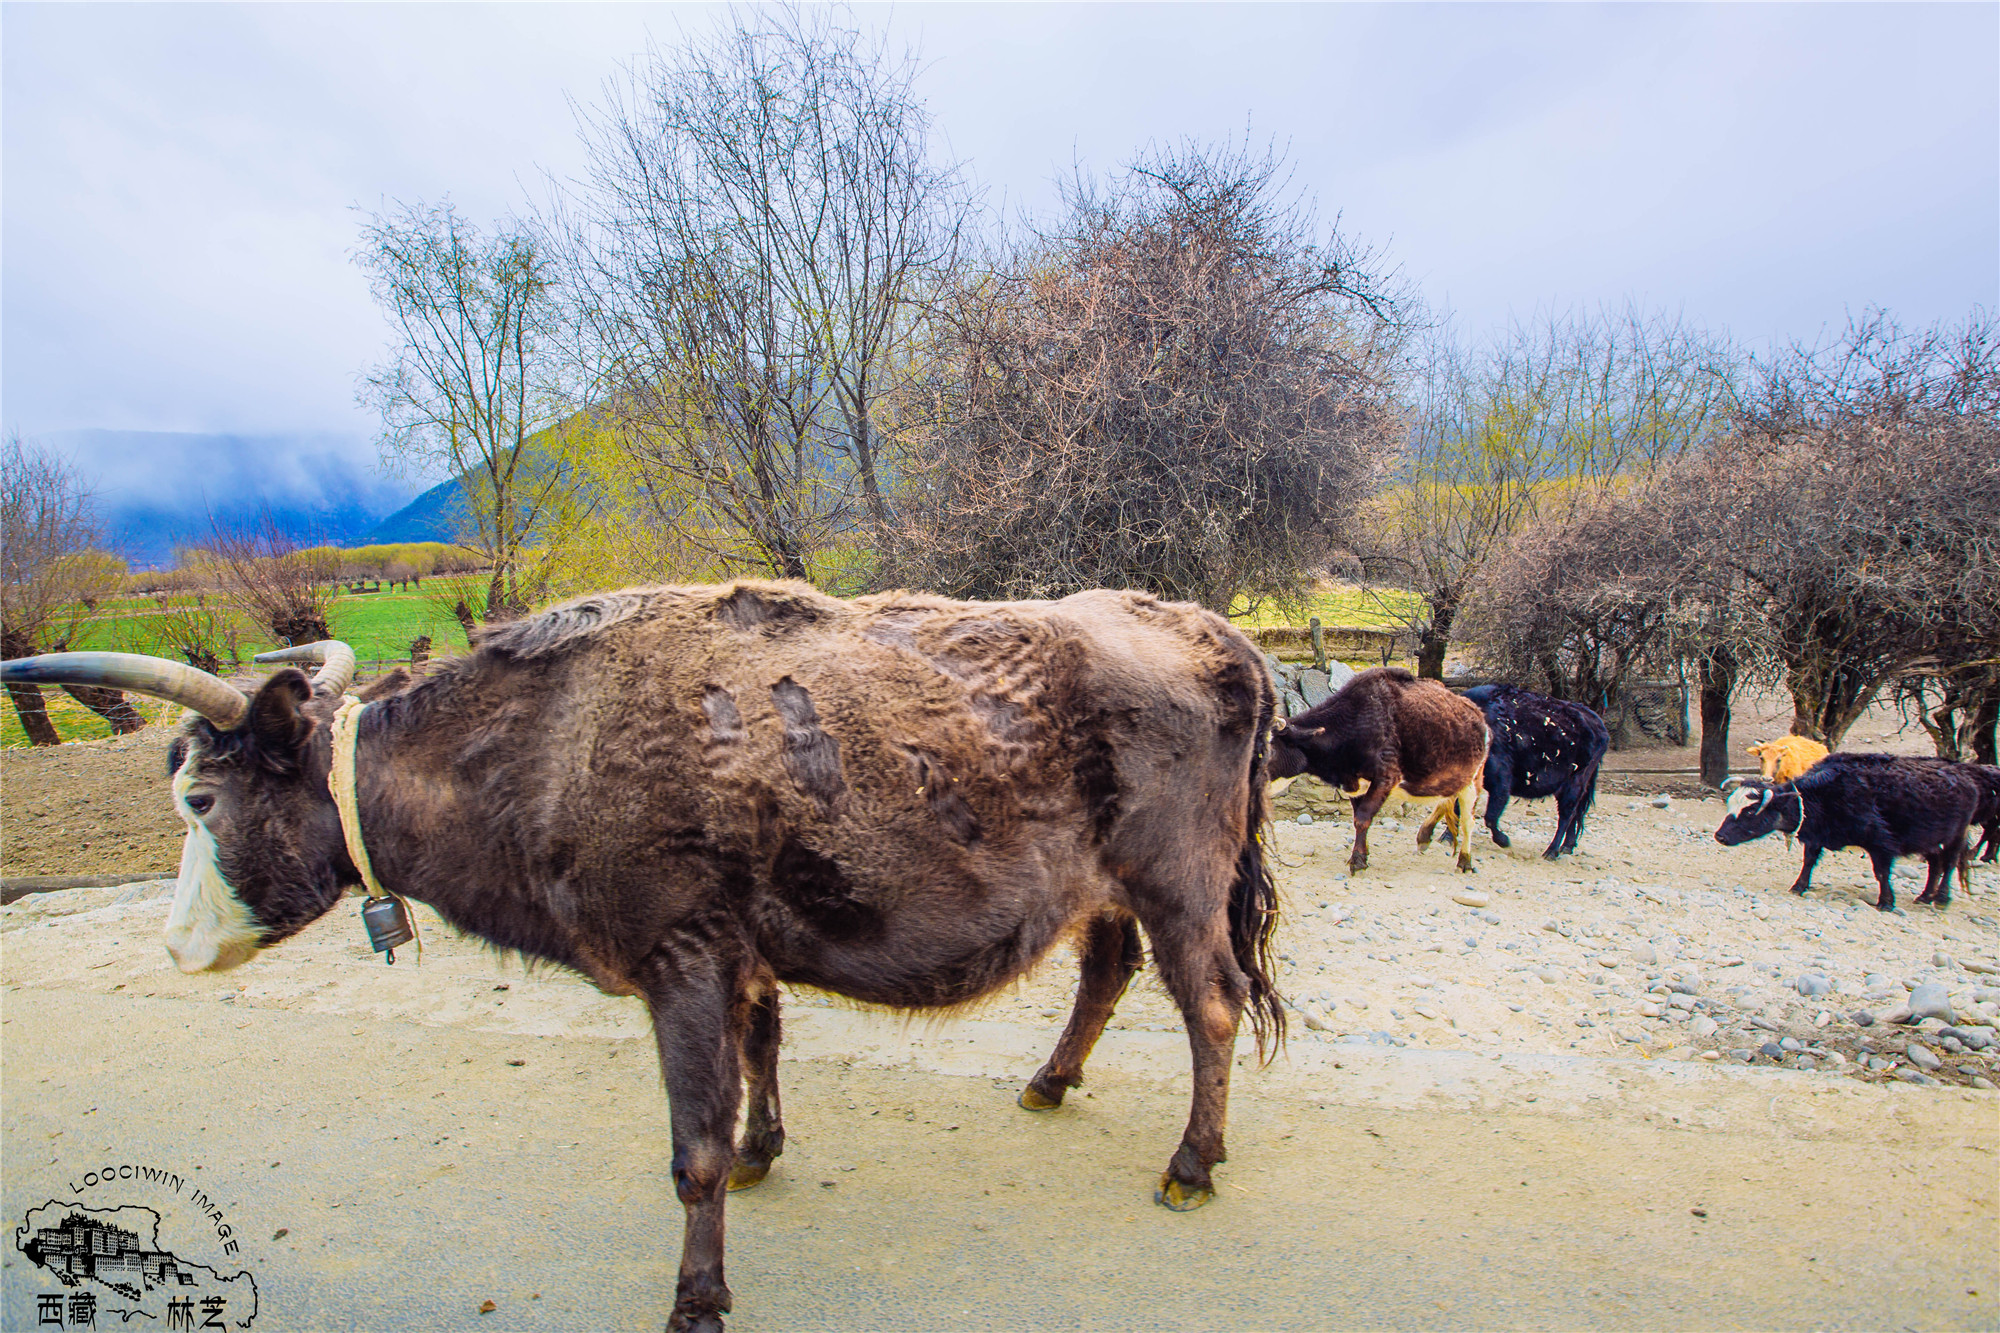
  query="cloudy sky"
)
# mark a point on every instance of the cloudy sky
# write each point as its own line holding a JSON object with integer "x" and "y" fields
{"x": 181, "y": 182}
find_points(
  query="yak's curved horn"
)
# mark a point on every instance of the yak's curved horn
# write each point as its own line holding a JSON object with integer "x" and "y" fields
{"x": 338, "y": 657}
{"x": 1727, "y": 783}
{"x": 214, "y": 698}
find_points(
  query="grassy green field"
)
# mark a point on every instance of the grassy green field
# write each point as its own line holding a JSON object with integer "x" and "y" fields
{"x": 378, "y": 626}
{"x": 1333, "y": 606}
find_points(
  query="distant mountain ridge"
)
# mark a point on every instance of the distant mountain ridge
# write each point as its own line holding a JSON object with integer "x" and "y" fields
{"x": 438, "y": 515}
{"x": 156, "y": 490}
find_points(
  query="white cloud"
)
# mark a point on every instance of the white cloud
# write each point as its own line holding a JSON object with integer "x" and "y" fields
{"x": 179, "y": 179}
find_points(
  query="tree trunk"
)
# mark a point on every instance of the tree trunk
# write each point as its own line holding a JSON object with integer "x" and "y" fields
{"x": 1718, "y": 687}
{"x": 1986, "y": 729}
{"x": 34, "y": 714}
{"x": 860, "y": 431}
{"x": 111, "y": 705}
{"x": 1434, "y": 639}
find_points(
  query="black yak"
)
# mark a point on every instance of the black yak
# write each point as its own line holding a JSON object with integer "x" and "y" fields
{"x": 1541, "y": 747}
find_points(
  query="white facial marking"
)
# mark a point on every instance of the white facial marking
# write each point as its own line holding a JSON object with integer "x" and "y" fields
{"x": 209, "y": 928}
{"x": 1739, "y": 801}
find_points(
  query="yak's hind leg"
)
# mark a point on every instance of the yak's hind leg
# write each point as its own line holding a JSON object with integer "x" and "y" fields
{"x": 1199, "y": 968}
{"x": 764, "y": 1123}
{"x": 696, "y": 986}
{"x": 1458, "y": 819}
{"x": 1111, "y": 954}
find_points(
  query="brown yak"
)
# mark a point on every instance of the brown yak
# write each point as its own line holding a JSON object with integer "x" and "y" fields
{"x": 692, "y": 795}
{"x": 1386, "y": 730}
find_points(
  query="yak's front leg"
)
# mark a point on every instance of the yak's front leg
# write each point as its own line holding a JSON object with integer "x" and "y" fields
{"x": 1366, "y": 805}
{"x": 1201, "y": 972}
{"x": 1111, "y": 954}
{"x": 698, "y": 1001}
{"x": 1884, "y": 863}
{"x": 763, "y": 1121}
{"x": 1803, "y": 883}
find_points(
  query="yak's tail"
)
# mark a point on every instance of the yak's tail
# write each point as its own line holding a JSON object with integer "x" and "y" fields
{"x": 1253, "y": 910}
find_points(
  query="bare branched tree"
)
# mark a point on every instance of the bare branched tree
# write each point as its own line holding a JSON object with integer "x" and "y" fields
{"x": 1178, "y": 388}
{"x": 1575, "y": 605}
{"x": 49, "y": 576}
{"x": 474, "y": 386}
{"x": 1844, "y": 533}
{"x": 1530, "y": 430}
{"x": 757, "y": 240}
{"x": 1855, "y": 512}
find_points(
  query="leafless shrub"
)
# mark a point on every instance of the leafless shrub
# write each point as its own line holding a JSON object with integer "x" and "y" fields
{"x": 282, "y": 584}
{"x": 48, "y": 569}
{"x": 1178, "y": 388}
{"x": 1855, "y": 513}
{"x": 1845, "y": 531}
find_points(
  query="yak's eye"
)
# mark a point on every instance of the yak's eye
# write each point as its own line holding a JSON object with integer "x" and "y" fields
{"x": 201, "y": 803}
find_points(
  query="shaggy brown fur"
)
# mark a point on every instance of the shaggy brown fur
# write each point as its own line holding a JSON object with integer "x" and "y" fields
{"x": 1387, "y": 729}
{"x": 691, "y": 794}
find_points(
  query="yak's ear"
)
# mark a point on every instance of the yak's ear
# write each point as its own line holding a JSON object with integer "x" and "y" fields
{"x": 277, "y": 718}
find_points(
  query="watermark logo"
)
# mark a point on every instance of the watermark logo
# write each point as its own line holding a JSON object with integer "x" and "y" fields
{"x": 116, "y": 1266}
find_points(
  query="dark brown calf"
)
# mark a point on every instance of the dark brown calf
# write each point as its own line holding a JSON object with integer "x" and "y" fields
{"x": 1386, "y": 730}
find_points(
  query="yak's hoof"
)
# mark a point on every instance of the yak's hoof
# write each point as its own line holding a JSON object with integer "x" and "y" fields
{"x": 1501, "y": 840}
{"x": 1551, "y": 856}
{"x": 1181, "y": 1198}
{"x": 747, "y": 1173}
{"x": 1467, "y": 868}
{"x": 1032, "y": 1100}
{"x": 700, "y": 1321}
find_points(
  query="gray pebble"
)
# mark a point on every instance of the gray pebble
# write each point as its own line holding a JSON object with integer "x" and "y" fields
{"x": 1983, "y": 1082}
{"x": 1305, "y": 817}
{"x": 1772, "y": 1049}
{"x": 1912, "y": 1076}
{"x": 1876, "y": 981}
{"x": 1921, "y": 1054}
{"x": 1663, "y": 802}
{"x": 1930, "y": 1001}
{"x": 1877, "y": 1063}
{"x": 1861, "y": 1018}
{"x": 1986, "y": 995}
{"x": 1742, "y": 1055}
{"x": 1805, "y": 1062}
{"x": 1812, "y": 984}
{"x": 1791, "y": 1044}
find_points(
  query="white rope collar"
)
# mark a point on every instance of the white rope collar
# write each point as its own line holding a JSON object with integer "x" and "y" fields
{"x": 340, "y": 781}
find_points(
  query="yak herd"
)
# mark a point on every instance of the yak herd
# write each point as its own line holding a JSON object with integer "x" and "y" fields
{"x": 694, "y": 794}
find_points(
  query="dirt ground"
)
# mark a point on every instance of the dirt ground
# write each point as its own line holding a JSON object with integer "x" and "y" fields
{"x": 1549, "y": 1108}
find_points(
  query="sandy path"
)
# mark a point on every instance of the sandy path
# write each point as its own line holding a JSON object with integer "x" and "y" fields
{"x": 420, "y": 1172}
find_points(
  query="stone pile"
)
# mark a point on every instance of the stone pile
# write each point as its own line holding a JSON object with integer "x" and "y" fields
{"x": 1302, "y": 685}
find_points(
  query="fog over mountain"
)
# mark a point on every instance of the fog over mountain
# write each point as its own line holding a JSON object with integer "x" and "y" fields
{"x": 159, "y": 489}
